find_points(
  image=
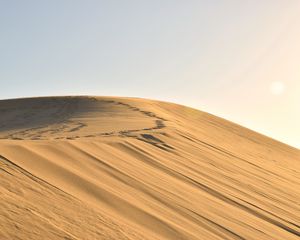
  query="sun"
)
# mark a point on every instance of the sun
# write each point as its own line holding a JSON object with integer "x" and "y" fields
{"x": 277, "y": 88}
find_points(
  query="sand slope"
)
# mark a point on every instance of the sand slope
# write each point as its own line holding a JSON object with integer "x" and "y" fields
{"x": 121, "y": 168}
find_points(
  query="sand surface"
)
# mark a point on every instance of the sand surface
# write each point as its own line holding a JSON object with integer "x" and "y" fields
{"x": 123, "y": 168}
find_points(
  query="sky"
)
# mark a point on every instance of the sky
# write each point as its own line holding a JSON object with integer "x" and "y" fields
{"x": 239, "y": 60}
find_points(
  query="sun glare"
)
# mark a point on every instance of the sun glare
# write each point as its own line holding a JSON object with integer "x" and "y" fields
{"x": 277, "y": 88}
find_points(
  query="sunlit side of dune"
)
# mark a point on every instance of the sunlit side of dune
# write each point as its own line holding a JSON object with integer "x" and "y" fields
{"x": 123, "y": 168}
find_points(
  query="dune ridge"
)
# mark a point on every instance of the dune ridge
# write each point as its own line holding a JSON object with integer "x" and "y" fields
{"x": 125, "y": 168}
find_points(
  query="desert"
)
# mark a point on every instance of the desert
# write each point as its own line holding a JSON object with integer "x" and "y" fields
{"x": 86, "y": 167}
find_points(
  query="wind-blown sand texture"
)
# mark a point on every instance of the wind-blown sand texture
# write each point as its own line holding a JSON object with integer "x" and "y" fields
{"x": 122, "y": 168}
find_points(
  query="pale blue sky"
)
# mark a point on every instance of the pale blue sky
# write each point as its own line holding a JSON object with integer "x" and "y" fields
{"x": 236, "y": 59}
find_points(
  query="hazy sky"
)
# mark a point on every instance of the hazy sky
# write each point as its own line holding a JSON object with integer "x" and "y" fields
{"x": 236, "y": 59}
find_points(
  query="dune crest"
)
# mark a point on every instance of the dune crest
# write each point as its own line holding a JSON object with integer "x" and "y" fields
{"x": 125, "y": 168}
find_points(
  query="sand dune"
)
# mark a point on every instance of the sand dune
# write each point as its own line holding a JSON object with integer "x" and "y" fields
{"x": 123, "y": 168}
